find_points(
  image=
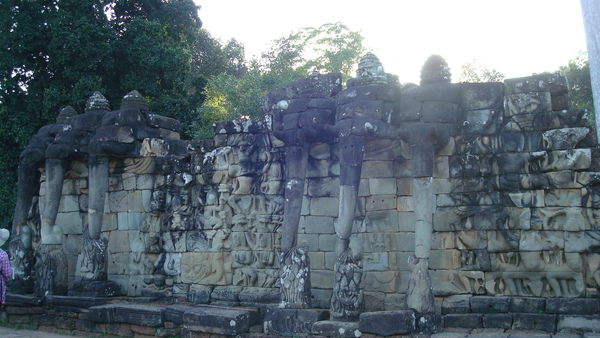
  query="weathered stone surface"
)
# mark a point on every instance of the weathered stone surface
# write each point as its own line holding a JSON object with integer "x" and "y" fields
{"x": 456, "y": 304}
{"x": 526, "y": 305}
{"x": 388, "y": 322}
{"x": 468, "y": 320}
{"x": 534, "y": 322}
{"x": 127, "y": 313}
{"x": 554, "y": 83}
{"x": 89, "y": 288}
{"x": 497, "y": 321}
{"x": 483, "y": 121}
{"x": 565, "y": 138}
{"x": 71, "y": 302}
{"x": 22, "y": 300}
{"x": 290, "y": 322}
{"x": 578, "y": 323}
{"x": 527, "y": 103}
{"x": 477, "y": 96}
{"x": 206, "y": 268}
{"x": 174, "y": 313}
{"x": 441, "y": 112}
{"x": 227, "y": 321}
{"x": 330, "y": 328}
{"x": 445, "y": 92}
{"x": 580, "y": 306}
{"x": 489, "y": 304}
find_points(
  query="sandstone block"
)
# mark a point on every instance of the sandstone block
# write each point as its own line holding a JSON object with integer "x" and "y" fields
{"x": 554, "y": 83}
{"x": 377, "y": 169}
{"x": 466, "y": 320}
{"x": 456, "y": 304}
{"x": 580, "y": 306}
{"x": 527, "y": 103}
{"x": 534, "y": 322}
{"x": 483, "y": 304}
{"x": 527, "y": 305}
{"x": 225, "y": 321}
{"x": 482, "y": 95}
{"x": 69, "y": 203}
{"x": 387, "y": 322}
{"x": 324, "y": 206}
{"x": 381, "y": 202}
{"x": 290, "y": 322}
{"x": 318, "y": 225}
{"x": 71, "y": 222}
{"x": 497, "y": 321}
{"x": 118, "y": 201}
{"x": 578, "y": 323}
{"x": 382, "y": 186}
{"x": 330, "y": 328}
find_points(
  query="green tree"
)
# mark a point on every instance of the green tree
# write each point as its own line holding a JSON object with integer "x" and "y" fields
{"x": 580, "y": 85}
{"x": 236, "y": 93}
{"x": 58, "y": 52}
{"x": 332, "y": 47}
{"x": 474, "y": 72}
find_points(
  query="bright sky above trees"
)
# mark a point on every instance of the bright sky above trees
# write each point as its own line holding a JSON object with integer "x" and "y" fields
{"x": 517, "y": 37}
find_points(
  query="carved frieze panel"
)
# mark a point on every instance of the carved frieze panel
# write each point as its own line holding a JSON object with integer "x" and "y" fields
{"x": 212, "y": 268}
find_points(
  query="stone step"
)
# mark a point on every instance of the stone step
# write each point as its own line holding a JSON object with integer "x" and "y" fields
{"x": 217, "y": 320}
{"x": 23, "y": 300}
{"x": 578, "y": 323}
{"x": 74, "y": 303}
{"x": 128, "y": 313}
{"x": 506, "y": 321}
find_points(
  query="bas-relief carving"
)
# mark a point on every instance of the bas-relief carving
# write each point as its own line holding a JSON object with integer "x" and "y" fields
{"x": 208, "y": 268}
{"x": 51, "y": 271}
{"x": 295, "y": 281}
{"x": 538, "y": 273}
{"x": 94, "y": 257}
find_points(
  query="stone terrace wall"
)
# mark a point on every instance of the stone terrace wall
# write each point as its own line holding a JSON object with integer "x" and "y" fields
{"x": 516, "y": 203}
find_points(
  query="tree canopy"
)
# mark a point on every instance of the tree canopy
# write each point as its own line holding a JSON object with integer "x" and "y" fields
{"x": 580, "y": 85}
{"x": 236, "y": 92}
{"x": 59, "y": 52}
{"x": 473, "y": 71}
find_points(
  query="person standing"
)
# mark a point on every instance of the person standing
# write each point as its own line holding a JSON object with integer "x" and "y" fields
{"x": 6, "y": 269}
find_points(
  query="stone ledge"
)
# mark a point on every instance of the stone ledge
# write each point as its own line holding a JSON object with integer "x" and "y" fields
{"x": 388, "y": 322}
{"x": 218, "y": 320}
{"x": 127, "y": 313}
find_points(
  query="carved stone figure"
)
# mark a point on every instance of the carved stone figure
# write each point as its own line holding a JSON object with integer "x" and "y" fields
{"x": 93, "y": 258}
{"x": 302, "y": 125}
{"x": 71, "y": 144}
{"x": 295, "y": 278}
{"x": 356, "y": 121}
{"x": 120, "y": 134}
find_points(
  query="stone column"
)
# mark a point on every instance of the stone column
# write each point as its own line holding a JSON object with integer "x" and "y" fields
{"x": 590, "y": 10}
{"x": 297, "y": 158}
{"x": 98, "y": 185}
{"x": 420, "y": 290}
{"x": 307, "y": 112}
{"x": 55, "y": 174}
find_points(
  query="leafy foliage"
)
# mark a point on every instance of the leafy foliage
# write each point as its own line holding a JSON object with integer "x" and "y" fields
{"x": 580, "y": 84}
{"x": 474, "y": 72}
{"x": 58, "y": 52}
{"x": 236, "y": 92}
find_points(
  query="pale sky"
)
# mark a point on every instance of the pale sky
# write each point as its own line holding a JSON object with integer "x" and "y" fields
{"x": 516, "y": 37}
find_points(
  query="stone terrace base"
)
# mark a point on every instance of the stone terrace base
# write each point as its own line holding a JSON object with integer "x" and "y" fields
{"x": 85, "y": 316}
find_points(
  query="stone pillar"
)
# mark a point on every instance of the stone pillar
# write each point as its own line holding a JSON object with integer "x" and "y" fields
{"x": 590, "y": 10}
{"x": 361, "y": 115}
{"x": 297, "y": 159}
{"x": 98, "y": 184}
{"x": 420, "y": 290}
{"x": 55, "y": 174}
